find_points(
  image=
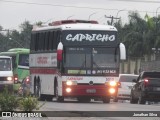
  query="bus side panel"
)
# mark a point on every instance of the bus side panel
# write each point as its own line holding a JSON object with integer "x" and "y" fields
{"x": 46, "y": 82}
{"x": 60, "y": 86}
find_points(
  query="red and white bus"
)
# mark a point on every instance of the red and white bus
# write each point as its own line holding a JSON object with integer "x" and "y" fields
{"x": 75, "y": 58}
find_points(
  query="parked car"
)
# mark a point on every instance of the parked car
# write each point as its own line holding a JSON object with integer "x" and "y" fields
{"x": 146, "y": 88}
{"x": 125, "y": 86}
{"x": 24, "y": 88}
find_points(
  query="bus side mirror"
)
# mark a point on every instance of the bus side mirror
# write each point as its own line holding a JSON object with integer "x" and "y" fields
{"x": 122, "y": 51}
{"x": 59, "y": 55}
{"x": 60, "y": 51}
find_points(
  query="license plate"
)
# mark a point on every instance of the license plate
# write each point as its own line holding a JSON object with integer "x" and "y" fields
{"x": 91, "y": 90}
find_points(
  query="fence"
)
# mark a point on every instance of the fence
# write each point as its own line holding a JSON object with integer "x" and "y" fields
{"x": 150, "y": 66}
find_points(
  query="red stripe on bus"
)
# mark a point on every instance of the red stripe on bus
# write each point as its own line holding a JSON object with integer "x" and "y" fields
{"x": 42, "y": 71}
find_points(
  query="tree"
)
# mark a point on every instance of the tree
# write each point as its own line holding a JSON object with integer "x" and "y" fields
{"x": 25, "y": 35}
{"x": 133, "y": 35}
{"x": 20, "y": 39}
{"x": 3, "y": 39}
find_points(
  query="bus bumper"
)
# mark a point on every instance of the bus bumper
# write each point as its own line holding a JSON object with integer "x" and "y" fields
{"x": 88, "y": 90}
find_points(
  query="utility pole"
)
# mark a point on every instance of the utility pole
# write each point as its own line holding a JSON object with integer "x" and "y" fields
{"x": 112, "y": 18}
{"x": 5, "y": 46}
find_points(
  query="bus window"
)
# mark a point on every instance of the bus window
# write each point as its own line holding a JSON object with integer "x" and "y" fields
{"x": 51, "y": 35}
{"x": 36, "y": 41}
{"x": 104, "y": 57}
{"x": 47, "y": 40}
{"x": 24, "y": 59}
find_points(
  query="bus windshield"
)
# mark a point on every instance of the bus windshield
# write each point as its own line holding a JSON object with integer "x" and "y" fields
{"x": 5, "y": 64}
{"x": 91, "y": 58}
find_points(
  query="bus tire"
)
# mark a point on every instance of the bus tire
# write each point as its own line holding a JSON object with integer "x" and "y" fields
{"x": 49, "y": 97}
{"x": 58, "y": 98}
{"x": 115, "y": 99}
{"x": 38, "y": 91}
{"x": 106, "y": 100}
{"x": 42, "y": 97}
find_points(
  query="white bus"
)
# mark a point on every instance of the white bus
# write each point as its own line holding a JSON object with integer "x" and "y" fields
{"x": 6, "y": 73}
{"x": 75, "y": 58}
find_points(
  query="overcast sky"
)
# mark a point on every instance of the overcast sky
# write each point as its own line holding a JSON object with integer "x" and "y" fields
{"x": 15, "y": 12}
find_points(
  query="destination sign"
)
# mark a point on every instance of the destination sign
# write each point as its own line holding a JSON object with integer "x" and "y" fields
{"x": 89, "y": 37}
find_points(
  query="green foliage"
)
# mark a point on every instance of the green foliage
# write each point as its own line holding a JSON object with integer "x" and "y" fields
{"x": 8, "y": 102}
{"x": 1, "y": 27}
{"x": 29, "y": 104}
{"x": 139, "y": 35}
{"x": 9, "y": 38}
{"x": 150, "y": 22}
{"x": 39, "y": 23}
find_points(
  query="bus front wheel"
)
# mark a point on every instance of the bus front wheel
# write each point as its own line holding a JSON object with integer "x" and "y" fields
{"x": 106, "y": 99}
{"x": 37, "y": 91}
{"x": 58, "y": 98}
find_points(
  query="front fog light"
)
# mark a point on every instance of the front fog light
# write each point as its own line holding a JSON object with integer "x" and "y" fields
{"x": 68, "y": 90}
{"x": 112, "y": 90}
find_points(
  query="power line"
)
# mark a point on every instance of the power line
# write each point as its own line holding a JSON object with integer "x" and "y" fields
{"x": 82, "y": 7}
{"x": 112, "y": 18}
{"x": 144, "y": 1}
{"x": 54, "y": 5}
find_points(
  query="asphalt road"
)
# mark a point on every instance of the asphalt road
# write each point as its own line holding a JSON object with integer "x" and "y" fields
{"x": 96, "y": 110}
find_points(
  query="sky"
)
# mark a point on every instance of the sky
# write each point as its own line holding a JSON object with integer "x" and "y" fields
{"x": 15, "y": 12}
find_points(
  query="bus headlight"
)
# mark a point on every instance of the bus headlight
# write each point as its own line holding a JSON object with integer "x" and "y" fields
{"x": 9, "y": 78}
{"x": 69, "y": 83}
{"x": 113, "y": 83}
